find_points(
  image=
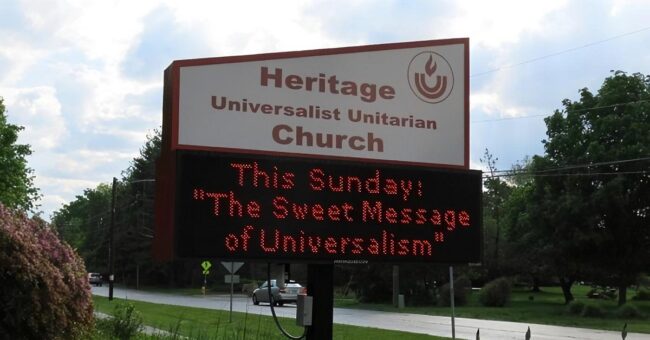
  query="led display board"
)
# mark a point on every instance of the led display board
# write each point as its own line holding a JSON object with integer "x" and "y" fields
{"x": 242, "y": 206}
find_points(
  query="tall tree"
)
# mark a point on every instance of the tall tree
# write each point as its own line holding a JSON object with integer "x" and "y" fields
{"x": 545, "y": 228}
{"x": 526, "y": 253}
{"x": 600, "y": 211}
{"x": 495, "y": 192}
{"x": 135, "y": 223}
{"x": 83, "y": 223}
{"x": 17, "y": 189}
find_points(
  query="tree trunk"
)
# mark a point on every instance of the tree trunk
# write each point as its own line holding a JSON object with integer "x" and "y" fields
{"x": 535, "y": 288}
{"x": 566, "y": 284}
{"x": 622, "y": 294}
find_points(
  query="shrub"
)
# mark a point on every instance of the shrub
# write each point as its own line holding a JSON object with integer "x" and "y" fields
{"x": 629, "y": 312}
{"x": 421, "y": 296}
{"x": 126, "y": 321}
{"x": 600, "y": 292}
{"x": 45, "y": 292}
{"x": 462, "y": 288}
{"x": 642, "y": 294}
{"x": 372, "y": 284}
{"x": 496, "y": 293}
{"x": 576, "y": 307}
{"x": 591, "y": 310}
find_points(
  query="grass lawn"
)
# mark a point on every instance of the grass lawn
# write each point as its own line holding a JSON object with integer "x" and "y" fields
{"x": 546, "y": 307}
{"x": 213, "y": 324}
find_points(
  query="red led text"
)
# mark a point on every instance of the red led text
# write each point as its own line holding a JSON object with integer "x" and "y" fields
{"x": 275, "y": 241}
{"x": 375, "y": 185}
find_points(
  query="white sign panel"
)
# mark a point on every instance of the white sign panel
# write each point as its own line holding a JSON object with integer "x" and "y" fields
{"x": 231, "y": 278}
{"x": 401, "y": 103}
{"x": 232, "y": 267}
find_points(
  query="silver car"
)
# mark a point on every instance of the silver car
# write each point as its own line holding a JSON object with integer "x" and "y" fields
{"x": 280, "y": 295}
{"x": 95, "y": 279}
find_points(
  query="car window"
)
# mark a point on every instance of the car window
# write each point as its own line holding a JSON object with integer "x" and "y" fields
{"x": 265, "y": 284}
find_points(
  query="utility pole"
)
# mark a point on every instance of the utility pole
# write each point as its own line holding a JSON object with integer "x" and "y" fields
{"x": 111, "y": 245}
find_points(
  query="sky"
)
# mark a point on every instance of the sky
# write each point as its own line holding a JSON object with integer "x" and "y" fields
{"x": 85, "y": 77}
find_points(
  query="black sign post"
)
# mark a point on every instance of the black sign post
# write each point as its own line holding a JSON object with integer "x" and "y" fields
{"x": 320, "y": 285}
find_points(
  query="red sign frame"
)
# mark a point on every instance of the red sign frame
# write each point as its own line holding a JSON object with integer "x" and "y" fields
{"x": 163, "y": 246}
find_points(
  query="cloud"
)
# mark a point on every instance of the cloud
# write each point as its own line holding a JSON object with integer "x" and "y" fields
{"x": 252, "y": 27}
{"x": 89, "y": 164}
{"x": 104, "y": 93}
{"x": 17, "y": 57}
{"x": 492, "y": 104}
{"x": 493, "y": 24}
{"x": 102, "y": 30}
{"x": 60, "y": 191}
{"x": 38, "y": 110}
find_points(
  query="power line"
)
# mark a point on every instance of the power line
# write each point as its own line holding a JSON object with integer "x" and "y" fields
{"x": 508, "y": 118}
{"x": 558, "y": 53}
{"x": 547, "y": 172}
{"x": 583, "y": 174}
{"x": 586, "y": 165}
{"x": 573, "y": 110}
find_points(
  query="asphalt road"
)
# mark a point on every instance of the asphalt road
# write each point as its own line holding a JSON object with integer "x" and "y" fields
{"x": 415, "y": 323}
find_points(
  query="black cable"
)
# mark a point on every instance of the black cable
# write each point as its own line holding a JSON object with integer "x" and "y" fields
{"x": 509, "y": 173}
{"x": 558, "y": 53}
{"x": 563, "y": 111}
{"x": 271, "y": 303}
{"x": 534, "y": 174}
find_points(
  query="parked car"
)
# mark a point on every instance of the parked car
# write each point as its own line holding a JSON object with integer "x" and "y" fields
{"x": 95, "y": 279}
{"x": 280, "y": 295}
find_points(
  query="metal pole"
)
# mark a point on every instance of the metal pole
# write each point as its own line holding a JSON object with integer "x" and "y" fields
{"x": 137, "y": 276}
{"x": 111, "y": 245}
{"x": 232, "y": 284}
{"x": 395, "y": 286}
{"x": 320, "y": 285}
{"x": 451, "y": 293}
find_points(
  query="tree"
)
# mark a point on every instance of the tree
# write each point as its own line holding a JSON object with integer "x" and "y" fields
{"x": 84, "y": 222}
{"x": 17, "y": 189}
{"x": 135, "y": 224}
{"x": 545, "y": 230}
{"x": 526, "y": 252}
{"x": 591, "y": 199}
{"x": 495, "y": 194}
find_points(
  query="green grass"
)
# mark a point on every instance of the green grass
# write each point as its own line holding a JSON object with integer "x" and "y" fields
{"x": 546, "y": 307}
{"x": 213, "y": 324}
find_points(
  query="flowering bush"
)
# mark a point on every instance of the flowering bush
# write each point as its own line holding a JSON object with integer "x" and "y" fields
{"x": 44, "y": 290}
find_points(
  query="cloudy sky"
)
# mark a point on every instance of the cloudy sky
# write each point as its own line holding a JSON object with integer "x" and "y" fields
{"x": 84, "y": 77}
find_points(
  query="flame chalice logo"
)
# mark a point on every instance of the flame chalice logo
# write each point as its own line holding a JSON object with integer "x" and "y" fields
{"x": 430, "y": 77}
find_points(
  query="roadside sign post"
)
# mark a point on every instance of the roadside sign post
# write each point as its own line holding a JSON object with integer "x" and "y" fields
{"x": 206, "y": 265}
{"x": 451, "y": 299}
{"x": 232, "y": 282}
{"x": 232, "y": 267}
{"x": 320, "y": 283}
